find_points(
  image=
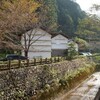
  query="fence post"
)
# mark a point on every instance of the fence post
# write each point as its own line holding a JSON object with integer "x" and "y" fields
{"x": 34, "y": 61}
{"x": 40, "y": 61}
{"x": 51, "y": 59}
{"x": 55, "y": 59}
{"x": 58, "y": 59}
{"x": 9, "y": 64}
{"x": 46, "y": 60}
{"x": 27, "y": 62}
{"x": 19, "y": 63}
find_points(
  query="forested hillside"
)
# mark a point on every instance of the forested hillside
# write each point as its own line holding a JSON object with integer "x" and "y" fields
{"x": 69, "y": 12}
{"x": 63, "y": 15}
{"x": 48, "y": 13}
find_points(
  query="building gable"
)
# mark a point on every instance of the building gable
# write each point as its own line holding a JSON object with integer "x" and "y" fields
{"x": 60, "y": 37}
{"x": 59, "y": 42}
{"x": 42, "y": 43}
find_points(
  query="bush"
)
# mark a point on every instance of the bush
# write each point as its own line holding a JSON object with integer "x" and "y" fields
{"x": 72, "y": 51}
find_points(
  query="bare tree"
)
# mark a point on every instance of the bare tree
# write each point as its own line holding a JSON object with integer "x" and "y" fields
{"x": 29, "y": 38}
{"x": 95, "y": 7}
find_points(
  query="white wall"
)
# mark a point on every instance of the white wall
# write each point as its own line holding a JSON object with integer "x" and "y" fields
{"x": 37, "y": 48}
{"x": 59, "y": 42}
{"x": 76, "y": 46}
{"x": 42, "y": 45}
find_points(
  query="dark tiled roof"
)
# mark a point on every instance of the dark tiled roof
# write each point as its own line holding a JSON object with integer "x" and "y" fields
{"x": 55, "y": 34}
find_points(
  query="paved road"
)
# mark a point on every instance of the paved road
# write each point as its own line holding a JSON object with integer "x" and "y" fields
{"x": 86, "y": 90}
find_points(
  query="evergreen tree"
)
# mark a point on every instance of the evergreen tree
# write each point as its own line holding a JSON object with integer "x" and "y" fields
{"x": 49, "y": 13}
{"x": 69, "y": 12}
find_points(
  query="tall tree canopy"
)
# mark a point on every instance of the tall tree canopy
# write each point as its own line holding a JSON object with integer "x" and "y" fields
{"x": 89, "y": 27}
{"x": 61, "y": 15}
{"x": 17, "y": 16}
{"x": 69, "y": 12}
{"x": 48, "y": 10}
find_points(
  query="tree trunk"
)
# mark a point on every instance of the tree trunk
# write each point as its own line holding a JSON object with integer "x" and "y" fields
{"x": 26, "y": 53}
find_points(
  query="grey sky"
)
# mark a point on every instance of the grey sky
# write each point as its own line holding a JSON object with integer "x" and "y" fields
{"x": 86, "y": 4}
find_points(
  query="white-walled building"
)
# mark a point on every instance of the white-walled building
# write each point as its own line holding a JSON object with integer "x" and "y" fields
{"x": 41, "y": 46}
{"x": 46, "y": 45}
{"x": 59, "y": 45}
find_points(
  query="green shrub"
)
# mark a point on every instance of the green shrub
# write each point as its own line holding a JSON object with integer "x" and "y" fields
{"x": 72, "y": 51}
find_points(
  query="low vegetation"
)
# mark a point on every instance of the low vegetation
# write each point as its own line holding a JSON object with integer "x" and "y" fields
{"x": 43, "y": 82}
{"x": 64, "y": 83}
{"x": 96, "y": 58}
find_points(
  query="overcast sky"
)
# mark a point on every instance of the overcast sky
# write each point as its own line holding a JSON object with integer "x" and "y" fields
{"x": 86, "y": 4}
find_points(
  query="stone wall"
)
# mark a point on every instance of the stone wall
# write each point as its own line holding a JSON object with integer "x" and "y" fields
{"x": 25, "y": 82}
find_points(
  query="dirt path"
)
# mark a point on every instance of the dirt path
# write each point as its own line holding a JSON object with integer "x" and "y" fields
{"x": 87, "y": 90}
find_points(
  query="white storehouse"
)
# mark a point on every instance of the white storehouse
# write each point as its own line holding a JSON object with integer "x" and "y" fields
{"x": 41, "y": 46}
{"x": 46, "y": 45}
{"x": 59, "y": 45}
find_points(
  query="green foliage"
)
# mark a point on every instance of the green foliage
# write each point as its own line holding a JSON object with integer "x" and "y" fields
{"x": 96, "y": 57}
{"x": 49, "y": 14}
{"x": 47, "y": 73}
{"x": 88, "y": 27}
{"x": 16, "y": 18}
{"x": 80, "y": 72}
{"x": 72, "y": 51}
{"x": 20, "y": 95}
{"x": 2, "y": 55}
{"x": 66, "y": 81}
{"x": 83, "y": 45}
{"x": 55, "y": 14}
{"x": 89, "y": 30}
{"x": 61, "y": 15}
{"x": 68, "y": 14}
